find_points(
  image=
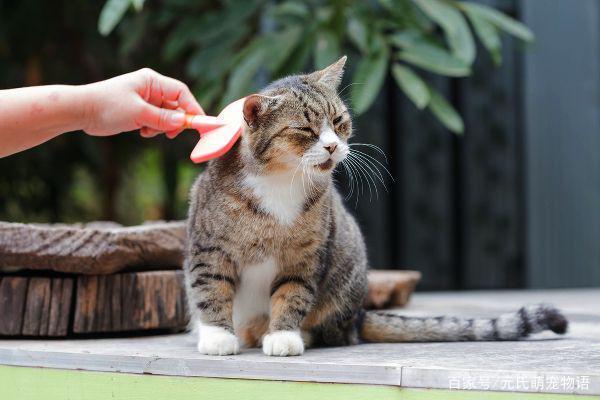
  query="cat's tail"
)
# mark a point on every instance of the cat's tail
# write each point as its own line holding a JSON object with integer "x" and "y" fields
{"x": 380, "y": 326}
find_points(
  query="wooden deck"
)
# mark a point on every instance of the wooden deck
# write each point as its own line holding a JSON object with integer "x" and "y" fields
{"x": 546, "y": 364}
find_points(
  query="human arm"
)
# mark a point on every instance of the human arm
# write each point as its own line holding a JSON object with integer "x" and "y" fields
{"x": 143, "y": 100}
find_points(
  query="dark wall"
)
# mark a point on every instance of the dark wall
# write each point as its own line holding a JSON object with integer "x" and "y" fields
{"x": 515, "y": 201}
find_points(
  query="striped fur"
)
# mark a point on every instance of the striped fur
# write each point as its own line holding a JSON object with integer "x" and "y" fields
{"x": 273, "y": 257}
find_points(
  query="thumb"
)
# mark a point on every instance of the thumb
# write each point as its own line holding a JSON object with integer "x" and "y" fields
{"x": 161, "y": 119}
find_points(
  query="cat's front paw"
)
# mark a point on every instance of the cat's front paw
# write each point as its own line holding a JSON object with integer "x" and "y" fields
{"x": 283, "y": 343}
{"x": 217, "y": 341}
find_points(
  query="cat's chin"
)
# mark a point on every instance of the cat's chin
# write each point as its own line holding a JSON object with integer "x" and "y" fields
{"x": 326, "y": 166}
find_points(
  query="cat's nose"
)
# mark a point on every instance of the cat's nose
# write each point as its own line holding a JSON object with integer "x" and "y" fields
{"x": 330, "y": 148}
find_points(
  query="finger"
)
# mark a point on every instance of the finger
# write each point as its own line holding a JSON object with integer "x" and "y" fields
{"x": 148, "y": 132}
{"x": 170, "y": 104}
{"x": 174, "y": 133}
{"x": 161, "y": 119}
{"x": 174, "y": 90}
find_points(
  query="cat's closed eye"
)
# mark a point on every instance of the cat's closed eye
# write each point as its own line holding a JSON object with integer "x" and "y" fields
{"x": 337, "y": 120}
{"x": 307, "y": 129}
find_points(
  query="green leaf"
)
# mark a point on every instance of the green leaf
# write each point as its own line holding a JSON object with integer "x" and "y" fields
{"x": 302, "y": 54}
{"x": 289, "y": 9}
{"x": 488, "y": 34}
{"x": 138, "y": 4}
{"x": 112, "y": 12}
{"x": 357, "y": 32}
{"x": 367, "y": 81}
{"x": 244, "y": 72}
{"x": 434, "y": 59}
{"x": 210, "y": 63}
{"x": 445, "y": 113}
{"x": 132, "y": 33}
{"x": 455, "y": 27}
{"x": 208, "y": 92}
{"x": 413, "y": 86}
{"x": 180, "y": 38}
{"x": 501, "y": 20}
{"x": 327, "y": 49}
{"x": 282, "y": 44}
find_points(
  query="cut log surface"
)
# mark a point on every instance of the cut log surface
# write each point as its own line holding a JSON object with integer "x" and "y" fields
{"x": 98, "y": 248}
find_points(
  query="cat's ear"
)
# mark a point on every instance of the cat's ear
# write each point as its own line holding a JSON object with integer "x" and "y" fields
{"x": 257, "y": 105}
{"x": 332, "y": 75}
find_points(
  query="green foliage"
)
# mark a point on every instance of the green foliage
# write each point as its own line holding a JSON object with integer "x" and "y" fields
{"x": 226, "y": 46}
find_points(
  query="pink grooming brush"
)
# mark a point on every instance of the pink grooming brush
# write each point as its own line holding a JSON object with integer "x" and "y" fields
{"x": 217, "y": 134}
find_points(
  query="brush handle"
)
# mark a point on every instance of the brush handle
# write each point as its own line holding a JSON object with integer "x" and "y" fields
{"x": 203, "y": 123}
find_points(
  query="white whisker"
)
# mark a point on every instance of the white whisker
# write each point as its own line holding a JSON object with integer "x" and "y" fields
{"x": 374, "y": 159}
{"x": 377, "y": 148}
{"x": 368, "y": 177}
{"x": 373, "y": 167}
{"x": 363, "y": 172}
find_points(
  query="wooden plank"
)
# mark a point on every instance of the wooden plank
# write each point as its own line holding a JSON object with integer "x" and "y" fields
{"x": 60, "y": 306}
{"x": 130, "y": 302}
{"x": 562, "y": 122}
{"x": 37, "y": 307}
{"x": 13, "y": 291}
{"x": 86, "y": 304}
{"x": 128, "y": 296}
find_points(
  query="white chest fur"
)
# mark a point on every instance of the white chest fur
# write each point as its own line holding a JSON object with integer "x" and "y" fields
{"x": 252, "y": 297}
{"x": 282, "y": 195}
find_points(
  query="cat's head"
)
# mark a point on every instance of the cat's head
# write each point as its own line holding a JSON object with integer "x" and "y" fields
{"x": 299, "y": 123}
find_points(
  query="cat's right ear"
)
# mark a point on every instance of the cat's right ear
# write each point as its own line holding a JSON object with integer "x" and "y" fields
{"x": 257, "y": 105}
{"x": 332, "y": 75}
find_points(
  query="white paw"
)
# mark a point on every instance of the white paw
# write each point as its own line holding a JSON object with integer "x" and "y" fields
{"x": 283, "y": 343}
{"x": 217, "y": 341}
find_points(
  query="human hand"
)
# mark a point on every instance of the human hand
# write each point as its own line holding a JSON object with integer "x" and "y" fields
{"x": 143, "y": 99}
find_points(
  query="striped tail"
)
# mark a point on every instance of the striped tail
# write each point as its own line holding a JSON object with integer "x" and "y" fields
{"x": 379, "y": 326}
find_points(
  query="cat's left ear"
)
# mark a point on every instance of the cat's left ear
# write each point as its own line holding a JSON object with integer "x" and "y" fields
{"x": 332, "y": 75}
{"x": 257, "y": 105}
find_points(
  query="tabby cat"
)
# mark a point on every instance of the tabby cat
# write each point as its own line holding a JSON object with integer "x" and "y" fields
{"x": 273, "y": 258}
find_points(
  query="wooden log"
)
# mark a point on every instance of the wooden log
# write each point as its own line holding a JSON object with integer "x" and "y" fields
{"x": 130, "y": 302}
{"x": 91, "y": 249}
{"x": 390, "y": 288}
{"x": 13, "y": 291}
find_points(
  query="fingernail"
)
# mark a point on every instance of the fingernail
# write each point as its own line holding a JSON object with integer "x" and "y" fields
{"x": 178, "y": 119}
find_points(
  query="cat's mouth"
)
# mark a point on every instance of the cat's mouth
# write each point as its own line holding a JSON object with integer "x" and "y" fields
{"x": 326, "y": 165}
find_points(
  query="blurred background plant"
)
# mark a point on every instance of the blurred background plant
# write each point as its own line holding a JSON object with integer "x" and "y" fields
{"x": 508, "y": 204}
{"x": 225, "y": 46}
{"x": 224, "y": 50}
